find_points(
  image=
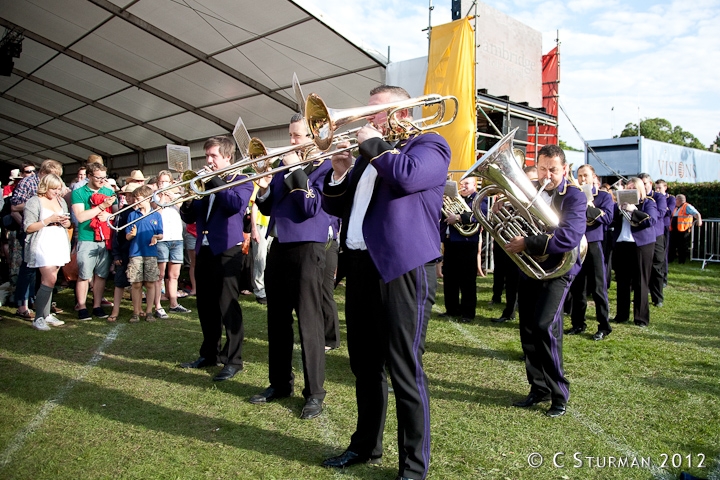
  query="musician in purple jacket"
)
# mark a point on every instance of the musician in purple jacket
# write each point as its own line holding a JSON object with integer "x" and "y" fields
{"x": 657, "y": 274}
{"x": 634, "y": 246}
{"x": 540, "y": 302}
{"x": 661, "y": 187}
{"x": 219, "y": 219}
{"x": 599, "y": 215}
{"x": 294, "y": 276}
{"x": 389, "y": 203}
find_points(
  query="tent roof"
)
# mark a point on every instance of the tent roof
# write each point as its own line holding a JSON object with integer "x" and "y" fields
{"x": 123, "y": 76}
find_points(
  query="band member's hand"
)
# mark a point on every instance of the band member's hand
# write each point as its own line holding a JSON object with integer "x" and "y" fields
{"x": 342, "y": 161}
{"x": 263, "y": 183}
{"x": 367, "y": 132}
{"x": 629, "y": 207}
{"x": 291, "y": 158}
{"x": 452, "y": 219}
{"x": 516, "y": 245}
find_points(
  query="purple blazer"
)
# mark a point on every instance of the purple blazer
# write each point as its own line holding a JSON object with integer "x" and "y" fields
{"x": 571, "y": 205}
{"x": 294, "y": 205}
{"x": 401, "y": 226}
{"x": 224, "y": 226}
{"x": 600, "y": 216}
{"x": 671, "y": 204}
{"x": 642, "y": 222}
{"x": 661, "y": 203}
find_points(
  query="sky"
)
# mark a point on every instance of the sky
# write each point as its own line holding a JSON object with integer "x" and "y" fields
{"x": 620, "y": 60}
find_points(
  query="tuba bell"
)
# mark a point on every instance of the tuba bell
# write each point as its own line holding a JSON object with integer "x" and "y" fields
{"x": 526, "y": 213}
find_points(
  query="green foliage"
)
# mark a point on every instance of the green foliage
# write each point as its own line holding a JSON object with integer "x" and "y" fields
{"x": 662, "y": 130}
{"x": 703, "y": 196}
{"x": 567, "y": 147}
{"x": 68, "y": 411}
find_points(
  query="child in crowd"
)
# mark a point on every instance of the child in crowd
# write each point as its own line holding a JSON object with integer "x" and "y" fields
{"x": 121, "y": 251}
{"x": 142, "y": 265}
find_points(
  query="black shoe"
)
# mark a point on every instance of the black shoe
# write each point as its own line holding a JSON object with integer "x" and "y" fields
{"x": 658, "y": 304}
{"x": 641, "y": 325}
{"x": 312, "y": 409}
{"x": 99, "y": 312}
{"x": 532, "y": 399}
{"x": 502, "y": 319}
{"x": 575, "y": 331}
{"x": 268, "y": 395}
{"x": 347, "y": 459}
{"x": 84, "y": 314}
{"x": 466, "y": 319}
{"x": 616, "y": 320}
{"x": 261, "y": 300}
{"x": 556, "y": 411}
{"x": 601, "y": 335}
{"x": 493, "y": 302}
{"x": 227, "y": 373}
{"x": 201, "y": 362}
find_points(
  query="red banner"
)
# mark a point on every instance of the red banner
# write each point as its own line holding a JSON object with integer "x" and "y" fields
{"x": 546, "y": 134}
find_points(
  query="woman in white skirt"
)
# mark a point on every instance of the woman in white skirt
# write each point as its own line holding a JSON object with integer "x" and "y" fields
{"x": 48, "y": 247}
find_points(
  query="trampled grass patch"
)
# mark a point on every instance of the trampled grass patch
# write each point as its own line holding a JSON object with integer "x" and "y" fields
{"x": 99, "y": 400}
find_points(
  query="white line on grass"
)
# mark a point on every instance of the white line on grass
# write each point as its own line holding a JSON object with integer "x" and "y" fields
{"x": 657, "y": 472}
{"x": 54, "y": 402}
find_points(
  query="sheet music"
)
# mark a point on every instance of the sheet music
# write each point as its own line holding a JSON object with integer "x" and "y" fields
{"x": 178, "y": 158}
{"x": 242, "y": 138}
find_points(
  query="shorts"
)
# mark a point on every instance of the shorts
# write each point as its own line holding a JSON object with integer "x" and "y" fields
{"x": 189, "y": 240}
{"x": 121, "y": 279}
{"x": 171, "y": 250}
{"x": 93, "y": 258}
{"x": 143, "y": 269}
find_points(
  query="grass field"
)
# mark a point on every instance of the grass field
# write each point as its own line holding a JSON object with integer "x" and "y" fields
{"x": 98, "y": 400}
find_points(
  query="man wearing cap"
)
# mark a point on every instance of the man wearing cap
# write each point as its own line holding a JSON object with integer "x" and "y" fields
{"x": 8, "y": 189}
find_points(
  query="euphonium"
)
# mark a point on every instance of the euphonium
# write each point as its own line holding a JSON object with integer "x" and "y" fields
{"x": 456, "y": 205}
{"x": 526, "y": 215}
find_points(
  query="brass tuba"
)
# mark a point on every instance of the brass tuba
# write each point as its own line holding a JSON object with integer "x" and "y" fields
{"x": 454, "y": 203}
{"x": 527, "y": 214}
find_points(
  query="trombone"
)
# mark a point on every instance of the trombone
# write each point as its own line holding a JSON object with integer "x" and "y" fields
{"x": 187, "y": 177}
{"x": 322, "y": 123}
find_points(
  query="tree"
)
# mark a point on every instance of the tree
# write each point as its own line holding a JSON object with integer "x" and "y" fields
{"x": 661, "y": 130}
{"x": 566, "y": 147}
{"x": 715, "y": 146}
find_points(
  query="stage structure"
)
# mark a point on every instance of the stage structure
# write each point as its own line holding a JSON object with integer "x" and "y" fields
{"x": 517, "y": 86}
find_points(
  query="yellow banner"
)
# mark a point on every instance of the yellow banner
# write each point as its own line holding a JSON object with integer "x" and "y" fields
{"x": 451, "y": 71}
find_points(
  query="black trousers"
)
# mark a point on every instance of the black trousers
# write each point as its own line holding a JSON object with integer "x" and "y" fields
{"x": 218, "y": 288}
{"x": 591, "y": 277}
{"x": 679, "y": 246}
{"x": 667, "y": 254}
{"x": 386, "y": 327}
{"x": 460, "y": 278}
{"x": 657, "y": 273}
{"x": 329, "y": 307}
{"x": 293, "y": 281}
{"x": 505, "y": 277}
{"x": 541, "y": 335}
{"x": 632, "y": 272}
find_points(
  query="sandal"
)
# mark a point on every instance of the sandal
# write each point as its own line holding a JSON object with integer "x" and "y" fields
{"x": 26, "y": 315}
{"x": 134, "y": 319}
{"x": 182, "y": 294}
{"x": 112, "y": 318}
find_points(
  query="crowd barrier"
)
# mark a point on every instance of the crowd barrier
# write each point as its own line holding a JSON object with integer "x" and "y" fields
{"x": 706, "y": 242}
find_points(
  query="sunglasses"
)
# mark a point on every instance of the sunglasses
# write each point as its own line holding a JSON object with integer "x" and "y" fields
{"x": 27, "y": 172}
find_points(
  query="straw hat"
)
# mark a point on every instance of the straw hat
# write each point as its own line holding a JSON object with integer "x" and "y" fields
{"x": 130, "y": 187}
{"x": 136, "y": 176}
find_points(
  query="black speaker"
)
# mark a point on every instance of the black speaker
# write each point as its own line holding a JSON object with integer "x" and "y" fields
{"x": 6, "y": 65}
{"x": 456, "y": 9}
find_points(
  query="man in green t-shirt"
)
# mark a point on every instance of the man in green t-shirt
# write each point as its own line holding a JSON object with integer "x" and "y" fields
{"x": 93, "y": 257}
